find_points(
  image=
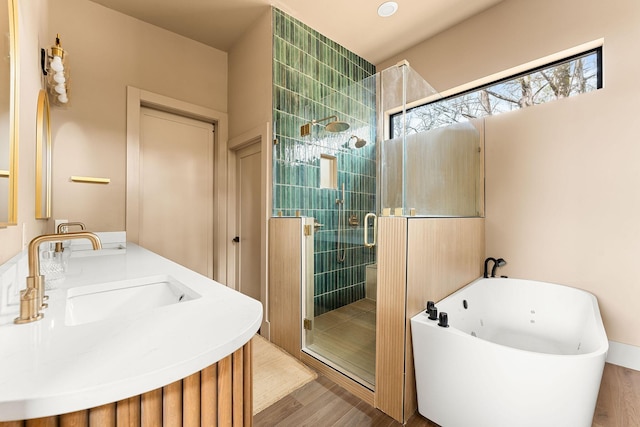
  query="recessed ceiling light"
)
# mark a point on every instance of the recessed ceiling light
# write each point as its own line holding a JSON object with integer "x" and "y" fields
{"x": 387, "y": 9}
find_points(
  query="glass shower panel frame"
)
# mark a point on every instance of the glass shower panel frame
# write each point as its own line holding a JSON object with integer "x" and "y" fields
{"x": 435, "y": 173}
{"x": 399, "y": 88}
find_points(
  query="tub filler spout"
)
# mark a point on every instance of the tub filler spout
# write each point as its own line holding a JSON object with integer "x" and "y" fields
{"x": 486, "y": 266}
{"x": 500, "y": 262}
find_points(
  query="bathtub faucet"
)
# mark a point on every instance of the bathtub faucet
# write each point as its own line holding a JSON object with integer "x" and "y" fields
{"x": 486, "y": 266}
{"x": 500, "y": 262}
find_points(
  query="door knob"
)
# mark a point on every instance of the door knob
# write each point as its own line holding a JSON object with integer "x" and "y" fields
{"x": 236, "y": 239}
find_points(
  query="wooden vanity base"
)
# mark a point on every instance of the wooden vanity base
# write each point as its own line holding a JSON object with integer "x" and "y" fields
{"x": 219, "y": 395}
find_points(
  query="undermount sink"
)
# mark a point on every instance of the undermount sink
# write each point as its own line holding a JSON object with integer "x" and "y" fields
{"x": 86, "y": 304}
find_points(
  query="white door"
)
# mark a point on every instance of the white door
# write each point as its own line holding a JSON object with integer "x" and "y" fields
{"x": 176, "y": 189}
{"x": 248, "y": 214}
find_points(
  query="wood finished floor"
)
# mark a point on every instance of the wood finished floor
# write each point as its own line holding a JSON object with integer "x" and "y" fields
{"x": 322, "y": 403}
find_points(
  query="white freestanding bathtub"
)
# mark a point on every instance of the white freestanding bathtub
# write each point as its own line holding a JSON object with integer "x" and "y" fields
{"x": 516, "y": 353}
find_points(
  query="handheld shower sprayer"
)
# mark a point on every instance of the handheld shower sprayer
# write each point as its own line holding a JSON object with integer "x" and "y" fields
{"x": 500, "y": 262}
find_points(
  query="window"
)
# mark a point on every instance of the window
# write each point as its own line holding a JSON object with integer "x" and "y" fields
{"x": 571, "y": 76}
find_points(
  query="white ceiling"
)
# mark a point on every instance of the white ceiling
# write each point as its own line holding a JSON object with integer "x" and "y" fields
{"x": 353, "y": 24}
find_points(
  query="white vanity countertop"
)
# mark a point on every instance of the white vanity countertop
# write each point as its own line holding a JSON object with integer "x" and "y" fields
{"x": 48, "y": 368}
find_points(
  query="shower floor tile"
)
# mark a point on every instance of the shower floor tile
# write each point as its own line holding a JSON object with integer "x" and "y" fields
{"x": 347, "y": 337}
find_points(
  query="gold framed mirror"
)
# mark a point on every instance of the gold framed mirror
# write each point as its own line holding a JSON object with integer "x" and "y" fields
{"x": 43, "y": 158}
{"x": 9, "y": 115}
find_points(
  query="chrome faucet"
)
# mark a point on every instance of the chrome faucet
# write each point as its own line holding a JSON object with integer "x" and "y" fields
{"x": 63, "y": 228}
{"x": 31, "y": 298}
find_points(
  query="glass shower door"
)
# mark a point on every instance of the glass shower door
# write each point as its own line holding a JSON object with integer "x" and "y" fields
{"x": 339, "y": 310}
{"x": 340, "y": 305}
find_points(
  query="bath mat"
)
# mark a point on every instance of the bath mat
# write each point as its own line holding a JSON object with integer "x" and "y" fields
{"x": 275, "y": 373}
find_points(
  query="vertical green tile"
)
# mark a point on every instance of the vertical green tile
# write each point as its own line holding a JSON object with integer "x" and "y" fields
{"x": 315, "y": 77}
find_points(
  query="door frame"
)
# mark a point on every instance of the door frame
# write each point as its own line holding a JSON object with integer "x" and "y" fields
{"x": 234, "y": 182}
{"x": 137, "y": 98}
{"x": 259, "y": 134}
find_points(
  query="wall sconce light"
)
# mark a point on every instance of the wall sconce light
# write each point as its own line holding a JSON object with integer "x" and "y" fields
{"x": 55, "y": 68}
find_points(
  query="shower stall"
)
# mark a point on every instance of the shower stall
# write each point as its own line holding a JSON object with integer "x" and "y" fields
{"x": 348, "y": 149}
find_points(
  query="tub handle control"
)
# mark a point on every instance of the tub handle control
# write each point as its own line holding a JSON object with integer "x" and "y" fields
{"x": 433, "y": 313}
{"x": 443, "y": 320}
{"x": 430, "y": 304}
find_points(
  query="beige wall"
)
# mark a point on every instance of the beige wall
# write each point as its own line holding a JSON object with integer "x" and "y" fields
{"x": 250, "y": 78}
{"x": 32, "y": 27}
{"x": 562, "y": 179}
{"x": 250, "y": 112}
{"x": 107, "y": 52}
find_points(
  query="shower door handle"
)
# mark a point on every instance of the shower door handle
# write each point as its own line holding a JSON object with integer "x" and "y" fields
{"x": 366, "y": 229}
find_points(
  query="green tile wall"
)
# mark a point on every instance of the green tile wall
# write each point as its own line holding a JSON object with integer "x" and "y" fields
{"x": 314, "y": 77}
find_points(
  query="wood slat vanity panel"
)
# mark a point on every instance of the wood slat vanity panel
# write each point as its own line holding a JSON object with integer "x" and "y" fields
{"x": 172, "y": 405}
{"x": 128, "y": 412}
{"x": 218, "y": 396}
{"x": 238, "y": 392}
{"x": 151, "y": 408}
{"x": 42, "y": 422}
{"x": 248, "y": 384}
{"x": 75, "y": 419}
{"x": 209, "y": 395}
{"x": 225, "y": 392}
{"x": 103, "y": 416}
{"x": 191, "y": 401}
